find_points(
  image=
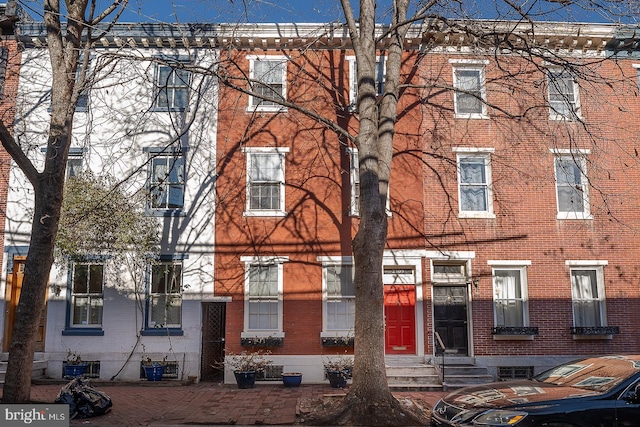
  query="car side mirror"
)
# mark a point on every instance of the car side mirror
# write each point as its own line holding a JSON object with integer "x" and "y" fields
{"x": 635, "y": 396}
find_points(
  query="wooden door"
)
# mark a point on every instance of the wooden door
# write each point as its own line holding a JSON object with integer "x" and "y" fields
{"x": 450, "y": 318}
{"x": 400, "y": 319}
{"x": 213, "y": 336}
{"x": 14, "y": 287}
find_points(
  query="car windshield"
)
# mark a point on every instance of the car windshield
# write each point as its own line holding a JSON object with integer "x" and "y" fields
{"x": 598, "y": 373}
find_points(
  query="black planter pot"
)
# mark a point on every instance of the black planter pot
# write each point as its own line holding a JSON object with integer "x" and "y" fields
{"x": 245, "y": 379}
{"x": 337, "y": 379}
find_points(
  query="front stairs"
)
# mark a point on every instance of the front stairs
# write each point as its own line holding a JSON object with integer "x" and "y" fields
{"x": 408, "y": 373}
{"x": 38, "y": 370}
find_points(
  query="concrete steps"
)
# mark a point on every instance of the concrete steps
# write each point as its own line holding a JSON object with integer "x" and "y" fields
{"x": 411, "y": 373}
{"x": 462, "y": 375}
{"x": 38, "y": 371}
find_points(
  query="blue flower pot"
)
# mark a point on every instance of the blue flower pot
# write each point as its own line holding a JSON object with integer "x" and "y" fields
{"x": 154, "y": 372}
{"x": 75, "y": 370}
{"x": 291, "y": 379}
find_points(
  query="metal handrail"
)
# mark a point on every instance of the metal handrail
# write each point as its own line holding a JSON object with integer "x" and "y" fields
{"x": 440, "y": 344}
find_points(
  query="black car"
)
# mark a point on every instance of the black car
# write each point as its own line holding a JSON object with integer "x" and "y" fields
{"x": 592, "y": 392}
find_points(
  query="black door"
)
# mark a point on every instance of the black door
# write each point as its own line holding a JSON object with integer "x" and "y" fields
{"x": 450, "y": 318}
{"x": 213, "y": 326}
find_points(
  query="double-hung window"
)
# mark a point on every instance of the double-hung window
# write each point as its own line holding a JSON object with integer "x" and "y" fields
{"x": 165, "y": 295}
{"x": 564, "y": 101}
{"x": 166, "y": 183}
{"x": 87, "y": 294}
{"x": 475, "y": 193}
{"x": 470, "y": 95}
{"x": 353, "y": 78}
{"x": 263, "y": 296}
{"x": 172, "y": 88}
{"x": 572, "y": 187}
{"x": 510, "y": 293}
{"x": 587, "y": 292}
{"x": 268, "y": 76}
{"x": 74, "y": 162}
{"x": 339, "y": 302}
{"x": 265, "y": 181}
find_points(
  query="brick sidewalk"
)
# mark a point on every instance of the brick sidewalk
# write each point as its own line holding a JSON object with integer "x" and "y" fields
{"x": 204, "y": 403}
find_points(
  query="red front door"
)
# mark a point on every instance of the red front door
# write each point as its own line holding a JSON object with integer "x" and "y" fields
{"x": 400, "y": 319}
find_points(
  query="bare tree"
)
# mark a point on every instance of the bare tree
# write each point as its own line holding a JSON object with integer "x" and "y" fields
{"x": 65, "y": 43}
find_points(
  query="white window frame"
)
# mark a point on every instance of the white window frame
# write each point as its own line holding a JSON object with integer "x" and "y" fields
{"x": 252, "y": 151}
{"x": 579, "y": 158}
{"x": 521, "y": 268}
{"x": 598, "y": 267}
{"x": 151, "y": 323}
{"x": 354, "y": 175}
{"x": 483, "y": 154}
{"x": 98, "y": 297}
{"x": 573, "y": 105}
{"x": 171, "y": 156}
{"x": 250, "y": 262}
{"x": 637, "y": 68}
{"x": 328, "y": 262}
{"x": 172, "y": 86}
{"x": 258, "y": 104}
{"x": 381, "y": 67}
{"x": 462, "y": 278}
{"x": 470, "y": 65}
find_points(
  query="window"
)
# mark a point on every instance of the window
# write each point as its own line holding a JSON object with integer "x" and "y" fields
{"x": 83, "y": 97}
{"x": 563, "y": 95}
{"x": 572, "y": 188}
{"x": 510, "y": 295}
{"x": 353, "y": 78}
{"x": 165, "y": 295}
{"x": 4, "y": 62}
{"x": 354, "y": 174}
{"x": 587, "y": 292}
{"x": 268, "y": 76}
{"x": 74, "y": 162}
{"x": 470, "y": 95}
{"x": 166, "y": 179}
{"x": 265, "y": 181}
{"x": 263, "y": 297}
{"x": 474, "y": 183}
{"x": 340, "y": 300}
{"x": 454, "y": 271}
{"x": 172, "y": 86}
{"x": 87, "y": 287}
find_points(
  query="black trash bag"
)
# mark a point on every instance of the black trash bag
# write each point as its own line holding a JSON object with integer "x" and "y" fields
{"x": 84, "y": 401}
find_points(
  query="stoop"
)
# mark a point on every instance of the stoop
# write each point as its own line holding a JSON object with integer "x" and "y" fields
{"x": 409, "y": 373}
{"x": 38, "y": 370}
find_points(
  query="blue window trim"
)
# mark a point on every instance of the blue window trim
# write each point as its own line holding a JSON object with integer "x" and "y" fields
{"x": 69, "y": 329}
{"x": 160, "y": 331}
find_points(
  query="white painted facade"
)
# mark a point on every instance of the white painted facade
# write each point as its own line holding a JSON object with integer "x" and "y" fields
{"x": 117, "y": 134}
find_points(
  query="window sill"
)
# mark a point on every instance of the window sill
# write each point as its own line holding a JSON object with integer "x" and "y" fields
{"x": 169, "y": 110}
{"x": 562, "y": 118}
{"x": 166, "y": 212}
{"x": 274, "y": 109}
{"x": 472, "y": 116}
{"x": 83, "y": 332}
{"x": 157, "y": 332}
{"x": 265, "y": 213}
{"x": 477, "y": 215}
{"x": 574, "y": 215}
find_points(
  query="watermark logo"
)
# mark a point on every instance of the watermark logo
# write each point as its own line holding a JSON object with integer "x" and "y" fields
{"x": 34, "y": 415}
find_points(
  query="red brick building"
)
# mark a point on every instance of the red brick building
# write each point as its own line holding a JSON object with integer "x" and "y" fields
{"x": 512, "y": 209}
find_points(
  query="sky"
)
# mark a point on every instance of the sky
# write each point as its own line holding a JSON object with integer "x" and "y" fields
{"x": 320, "y": 11}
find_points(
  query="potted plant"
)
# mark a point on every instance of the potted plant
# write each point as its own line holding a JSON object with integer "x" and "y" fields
{"x": 338, "y": 369}
{"x": 153, "y": 370}
{"x": 74, "y": 366}
{"x": 246, "y": 365}
{"x": 291, "y": 379}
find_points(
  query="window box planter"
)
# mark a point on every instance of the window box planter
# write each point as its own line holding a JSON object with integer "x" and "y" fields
{"x": 337, "y": 341}
{"x": 262, "y": 342}
{"x": 291, "y": 379}
{"x": 595, "y": 330}
{"x": 515, "y": 330}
